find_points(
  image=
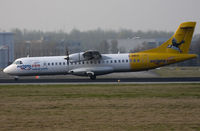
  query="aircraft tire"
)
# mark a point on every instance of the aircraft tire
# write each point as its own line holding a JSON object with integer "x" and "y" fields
{"x": 92, "y": 77}
{"x": 16, "y": 79}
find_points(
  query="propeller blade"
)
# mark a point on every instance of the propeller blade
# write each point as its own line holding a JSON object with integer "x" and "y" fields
{"x": 67, "y": 54}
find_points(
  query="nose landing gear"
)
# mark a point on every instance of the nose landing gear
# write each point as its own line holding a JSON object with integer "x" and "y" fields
{"x": 16, "y": 78}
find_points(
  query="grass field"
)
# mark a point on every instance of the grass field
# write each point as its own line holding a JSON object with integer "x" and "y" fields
{"x": 100, "y": 107}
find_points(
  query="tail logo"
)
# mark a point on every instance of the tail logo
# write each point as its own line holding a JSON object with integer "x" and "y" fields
{"x": 175, "y": 45}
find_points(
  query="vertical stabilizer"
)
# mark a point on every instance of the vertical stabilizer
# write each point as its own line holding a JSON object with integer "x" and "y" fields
{"x": 179, "y": 42}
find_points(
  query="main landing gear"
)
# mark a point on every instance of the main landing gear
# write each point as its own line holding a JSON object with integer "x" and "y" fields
{"x": 92, "y": 77}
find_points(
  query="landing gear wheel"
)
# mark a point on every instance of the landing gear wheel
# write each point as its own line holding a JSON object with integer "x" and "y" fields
{"x": 92, "y": 77}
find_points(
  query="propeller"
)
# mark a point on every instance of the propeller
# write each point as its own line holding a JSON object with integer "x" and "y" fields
{"x": 67, "y": 54}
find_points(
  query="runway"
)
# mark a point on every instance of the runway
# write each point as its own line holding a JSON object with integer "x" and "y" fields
{"x": 102, "y": 80}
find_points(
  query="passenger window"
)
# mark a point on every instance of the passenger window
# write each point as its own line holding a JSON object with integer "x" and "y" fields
{"x": 138, "y": 60}
{"x": 52, "y": 64}
{"x": 91, "y": 62}
{"x": 56, "y": 63}
{"x": 122, "y": 60}
{"x": 99, "y": 62}
{"x": 119, "y": 61}
{"x": 115, "y": 61}
{"x": 83, "y": 62}
{"x": 134, "y": 60}
{"x": 110, "y": 61}
{"x": 63, "y": 63}
{"x": 95, "y": 62}
{"x": 107, "y": 61}
{"x": 130, "y": 60}
{"x": 48, "y": 64}
{"x": 87, "y": 62}
{"x": 126, "y": 60}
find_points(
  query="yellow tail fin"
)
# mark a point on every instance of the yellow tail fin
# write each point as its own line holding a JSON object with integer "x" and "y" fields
{"x": 179, "y": 42}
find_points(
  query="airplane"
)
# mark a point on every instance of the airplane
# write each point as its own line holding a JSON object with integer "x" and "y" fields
{"x": 92, "y": 63}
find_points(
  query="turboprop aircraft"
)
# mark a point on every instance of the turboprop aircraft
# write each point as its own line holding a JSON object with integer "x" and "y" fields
{"x": 92, "y": 63}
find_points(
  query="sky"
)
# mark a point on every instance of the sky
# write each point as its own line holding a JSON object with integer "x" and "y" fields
{"x": 54, "y": 15}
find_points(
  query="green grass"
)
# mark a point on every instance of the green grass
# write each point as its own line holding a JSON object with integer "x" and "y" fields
{"x": 100, "y": 107}
{"x": 103, "y": 91}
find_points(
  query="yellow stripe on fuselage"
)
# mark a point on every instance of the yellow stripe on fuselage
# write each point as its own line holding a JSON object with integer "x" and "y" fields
{"x": 145, "y": 61}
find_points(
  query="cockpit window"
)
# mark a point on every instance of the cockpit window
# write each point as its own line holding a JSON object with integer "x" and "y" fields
{"x": 18, "y": 62}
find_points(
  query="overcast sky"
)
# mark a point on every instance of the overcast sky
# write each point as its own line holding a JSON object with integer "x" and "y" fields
{"x": 51, "y": 15}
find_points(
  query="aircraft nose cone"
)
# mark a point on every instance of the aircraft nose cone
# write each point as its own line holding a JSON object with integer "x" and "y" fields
{"x": 5, "y": 70}
{"x": 10, "y": 70}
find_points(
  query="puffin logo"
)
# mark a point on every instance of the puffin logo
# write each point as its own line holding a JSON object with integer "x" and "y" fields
{"x": 176, "y": 45}
{"x": 24, "y": 67}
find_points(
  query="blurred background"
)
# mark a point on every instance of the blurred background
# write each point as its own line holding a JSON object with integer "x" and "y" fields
{"x": 48, "y": 28}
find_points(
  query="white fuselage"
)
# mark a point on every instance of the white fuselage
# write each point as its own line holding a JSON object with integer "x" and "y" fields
{"x": 58, "y": 65}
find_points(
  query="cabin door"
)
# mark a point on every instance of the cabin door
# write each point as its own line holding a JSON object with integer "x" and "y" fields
{"x": 145, "y": 61}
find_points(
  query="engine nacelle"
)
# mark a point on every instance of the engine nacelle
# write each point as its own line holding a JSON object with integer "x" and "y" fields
{"x": 82, "y": 56}
{"x": 76, "y": 57}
